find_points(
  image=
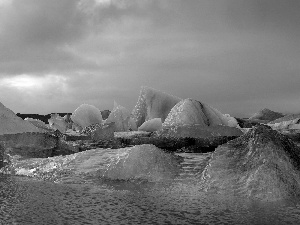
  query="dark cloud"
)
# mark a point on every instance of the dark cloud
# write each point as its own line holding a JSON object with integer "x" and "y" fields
{"x": 237, "y": 55}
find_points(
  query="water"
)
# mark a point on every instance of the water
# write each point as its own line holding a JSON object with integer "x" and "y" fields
{"x": 129, "y": 186}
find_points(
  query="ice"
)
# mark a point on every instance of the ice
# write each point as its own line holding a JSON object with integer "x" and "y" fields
{"x": 191, "y": 112}
{"x": 57, "y": 122}
{"x": 143, "y": 162}
{"x": 120, "y": 116}
{"x": 86, "y": 115}
{"x": 132, "y": 125}
{"x": 290, "y": 124}
{"x": 38, "y": 123}
{"x": 153, "y": 104}
{"x": 151, "y": 125}
{"x": 10, "y": 123}
{"x": 187, "y": 112}
{"x": 103, "y": 132}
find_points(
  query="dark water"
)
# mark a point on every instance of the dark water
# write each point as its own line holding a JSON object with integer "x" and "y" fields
{"x": 165, "y": 191}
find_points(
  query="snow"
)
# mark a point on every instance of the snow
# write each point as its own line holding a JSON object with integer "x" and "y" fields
{"x": 153, "y": 104}
{"x": 151, "y": 125}
{"x": 120, "y": 116}
{"x": 86, "y": 115}
{"x": 10, "y": 123}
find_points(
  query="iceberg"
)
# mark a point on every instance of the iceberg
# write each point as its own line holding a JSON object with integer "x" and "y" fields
{"x": 86, "y": 115}
{"x": 266, "y": 115}
{"x": 151, "y": 125}
{"x": 191, "y": 112}
{"x": 153, "y": 104}
{"x": 262, "y": 164}
{"x": 120, "y": 116}
{"x": 57, "y": 122}
{"x": 39, "y": 124}
{"x": 10, "y": 123}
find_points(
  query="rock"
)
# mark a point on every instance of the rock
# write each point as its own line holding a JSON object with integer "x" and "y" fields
{"x": 12, "y": 124}
{"x": 190, "y": 138}
{"x": 153, "y": 104}
{"x": 190, "y": 112}
{"x": 86, "y": 115}
{"x": 120, "y": 117}
{"x": 105, "y": 113}
{"x": 151, "y": 125}
{"x": 261, "y": 164}
{"x": 265, "y": 116}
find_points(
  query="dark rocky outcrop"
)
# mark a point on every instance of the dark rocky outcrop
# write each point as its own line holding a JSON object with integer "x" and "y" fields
{"x": 265, "y": 116}
{"x": 262, "y": 164}
{"x": 188, "y": 138}
{"x": 43, "y": 118}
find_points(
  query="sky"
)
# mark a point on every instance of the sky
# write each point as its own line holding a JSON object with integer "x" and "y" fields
{"x": 238, "y": 56}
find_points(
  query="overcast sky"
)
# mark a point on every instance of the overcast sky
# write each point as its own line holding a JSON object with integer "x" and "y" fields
{"x": 238, "y": 56}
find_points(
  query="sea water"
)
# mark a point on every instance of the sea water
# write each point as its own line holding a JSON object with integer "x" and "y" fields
{"x": 139, "y": 185}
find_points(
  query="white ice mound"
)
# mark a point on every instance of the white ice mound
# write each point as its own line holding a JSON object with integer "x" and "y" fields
{"x": 143, "y": 162}
{"x": 289, "y": 124}
{"x": 191, "y": 112}
{"x": 120, "y": 116}
{"x": 86, "y": 115}
{"x": 10, "y": 123}
{"x": 38, "y": 123}
{"x": 57, "y": 122}
{"x": 153, "y": 104}
{"x": 151, "y": 125}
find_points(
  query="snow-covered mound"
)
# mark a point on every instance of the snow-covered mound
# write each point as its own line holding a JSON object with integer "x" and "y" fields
{"x": 151, "y": 125}
{"x": 10, "y": 123}
{"x": 86, "y": 115}
{"x": 153, "y": 104}
{"x": 120, "y": 116}
{"x": 190, "y": 112}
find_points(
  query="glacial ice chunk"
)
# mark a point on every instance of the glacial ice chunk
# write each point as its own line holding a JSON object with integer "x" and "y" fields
{"x": 151, "y": 125}
{"x": 57, "y": 122}
{"x": 120, "y": 116}
{"x": 38, "y": 123}
{"x": 153, "y": 104}
{"x": 143, "y": 162}
{"x": 86, "y": 115}
{"x": 10, "y": 123}
{"x": 191, "y": 112}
